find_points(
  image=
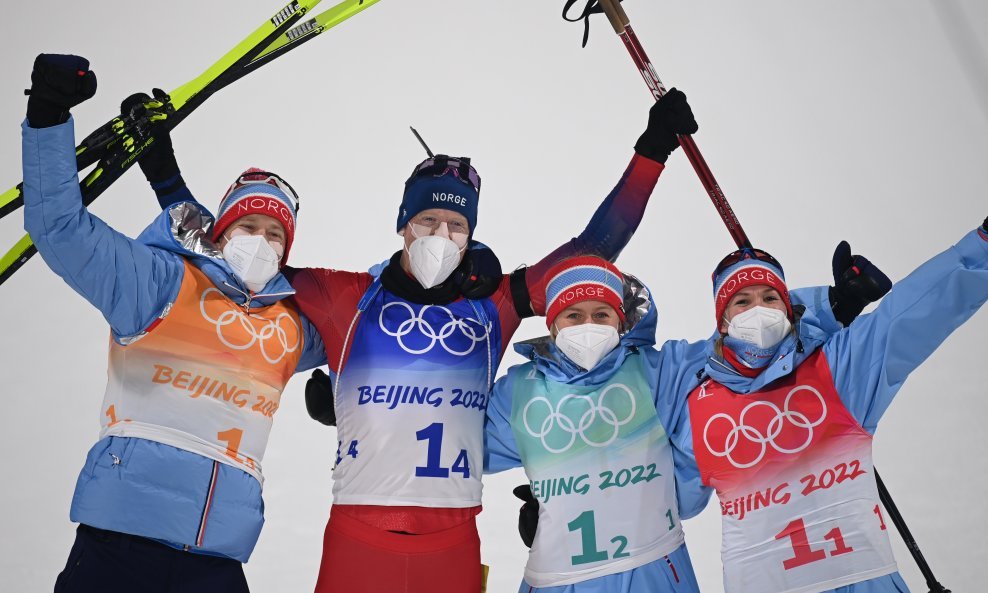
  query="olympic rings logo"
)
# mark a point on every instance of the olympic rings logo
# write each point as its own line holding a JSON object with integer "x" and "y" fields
{"x": 596, "y": 417}
{"x": 271, "y": 336}
{"x": 775, "y": 426}
{"x": 472, "y": 334}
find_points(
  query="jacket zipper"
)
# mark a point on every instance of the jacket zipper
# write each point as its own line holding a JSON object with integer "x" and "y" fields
{"x": 201, "y": 532}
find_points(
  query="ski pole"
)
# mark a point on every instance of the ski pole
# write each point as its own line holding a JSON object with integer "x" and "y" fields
{"x": 622, "y": 26}
{"x": 189, "y": 96}
{"x": 907, "y": 537}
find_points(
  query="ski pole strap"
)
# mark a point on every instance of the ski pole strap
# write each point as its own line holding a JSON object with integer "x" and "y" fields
{"x": 592, "y": 7}
{"x": 907, "y": 537}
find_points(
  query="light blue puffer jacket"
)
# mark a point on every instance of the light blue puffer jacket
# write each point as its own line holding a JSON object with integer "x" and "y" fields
{"x": 871, "y": 358}
{"x": 671, "y": 374}
{"x": 134, "y": 485}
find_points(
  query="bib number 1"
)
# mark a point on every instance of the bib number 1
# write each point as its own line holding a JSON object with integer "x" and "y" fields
{"x": 232, "y": 439}
{"x": 588, "y": 541}
{"x": 803, "y": 551}
{"x": 433, "y": 468}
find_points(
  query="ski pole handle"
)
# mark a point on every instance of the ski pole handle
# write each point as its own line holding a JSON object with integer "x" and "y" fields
{"x": 615, "y": 13}
{"x": 622, "y": 26}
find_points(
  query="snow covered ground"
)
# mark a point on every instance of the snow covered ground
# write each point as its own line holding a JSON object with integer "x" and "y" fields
{"x": 865, "y": 121}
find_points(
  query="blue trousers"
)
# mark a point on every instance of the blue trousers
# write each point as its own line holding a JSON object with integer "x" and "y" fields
{"x": 110, "y": 562}
{"x": 890, "y": 583}
{"x": 671, "y": 574}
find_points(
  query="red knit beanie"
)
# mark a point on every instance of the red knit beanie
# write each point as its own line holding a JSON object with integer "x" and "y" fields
{"x": 258, "y": 192}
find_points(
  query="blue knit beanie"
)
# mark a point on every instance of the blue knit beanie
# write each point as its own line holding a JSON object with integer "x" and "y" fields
{"x": 441, "y": 187}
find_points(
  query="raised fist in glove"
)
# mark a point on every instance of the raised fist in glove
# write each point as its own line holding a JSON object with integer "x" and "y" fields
{"x": 58, "y": 83}
{"x": 528, "y": 514}
{"x": 857, "y": 282}
{"x": 667, "y": 119}
{"x": 319, "y": 398}
{"x": 158, "y": 160}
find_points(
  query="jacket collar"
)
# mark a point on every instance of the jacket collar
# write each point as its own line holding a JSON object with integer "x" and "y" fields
{"x": 809, "y": 337}
{"x": 184, "y": 229}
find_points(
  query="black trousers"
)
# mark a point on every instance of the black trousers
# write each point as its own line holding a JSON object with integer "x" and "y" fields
{"x": 110, "y": 562}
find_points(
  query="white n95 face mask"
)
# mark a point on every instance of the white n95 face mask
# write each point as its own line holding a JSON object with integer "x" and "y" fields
{"x": 252, "y": 259}
{"x": 761, "y": 326}
{"x": 587, "y": 343}
{"x": 433, "y": 259}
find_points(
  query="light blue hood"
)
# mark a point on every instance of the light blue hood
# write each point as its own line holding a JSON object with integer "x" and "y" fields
{"x": 811, "y": 333}
{"x": 184, "y": 229}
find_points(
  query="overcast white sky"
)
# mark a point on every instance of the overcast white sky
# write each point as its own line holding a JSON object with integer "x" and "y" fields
{"x": 822, "y": 121}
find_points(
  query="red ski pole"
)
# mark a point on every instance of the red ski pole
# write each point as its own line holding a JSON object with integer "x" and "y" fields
{"x": 622, "y": 26}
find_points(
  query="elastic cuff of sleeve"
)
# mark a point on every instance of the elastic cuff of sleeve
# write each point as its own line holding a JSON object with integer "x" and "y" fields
{"x": 640, "y": 161}
{"x": 983, "y": 233}
{"x": 168, "y": 186}
{"x": 658, "y": 156}
{"x": 519, "y": 294}
{"x": 45, "y": 117}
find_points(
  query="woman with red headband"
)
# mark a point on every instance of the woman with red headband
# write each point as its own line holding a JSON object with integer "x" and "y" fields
{"x": 781, "y": 425}
{"x": 589, "y": 418}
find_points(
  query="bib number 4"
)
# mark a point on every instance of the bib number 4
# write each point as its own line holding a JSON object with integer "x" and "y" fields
{"x": 433, "y": 435}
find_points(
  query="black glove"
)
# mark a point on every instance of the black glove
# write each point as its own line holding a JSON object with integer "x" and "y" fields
{"x": 984, "y": 225}
{"x": 319, "y": 398}
{"x": 58, "y": 83}
{"x": 158, "y": 160}
{"x": 668, "y": 118}
{"x": 528, "y": 514}
{"x": 479, "y": 275}
{"x": 857, "y": 282}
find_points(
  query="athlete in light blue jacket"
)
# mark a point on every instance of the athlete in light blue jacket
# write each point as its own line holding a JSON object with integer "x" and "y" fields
{"x": 203, "y": 343}
{"x": 782, "y": 424}
{"x": 595, "y": 442}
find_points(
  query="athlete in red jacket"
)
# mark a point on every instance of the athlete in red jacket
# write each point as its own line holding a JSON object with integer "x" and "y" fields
{"x": 414, "y": 352}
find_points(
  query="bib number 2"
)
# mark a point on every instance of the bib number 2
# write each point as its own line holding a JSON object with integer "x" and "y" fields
{"x": 588, "y": 540}
{"x": 433, "y": 435}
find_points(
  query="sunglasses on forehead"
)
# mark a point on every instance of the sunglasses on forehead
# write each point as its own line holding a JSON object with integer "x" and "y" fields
{"x": 743, "y": 254}
{"x": 274, "y": 179}
{"x": 441, "y": 165}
